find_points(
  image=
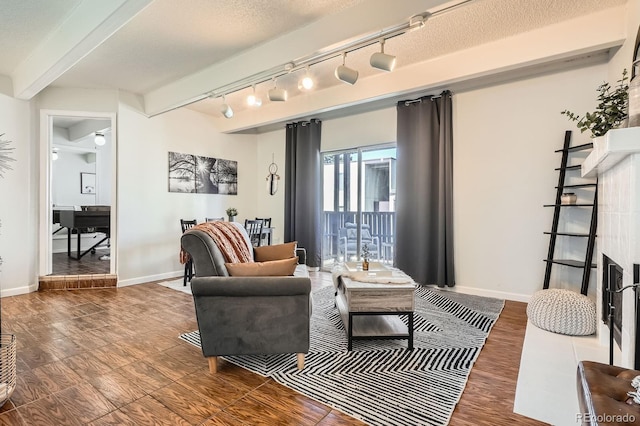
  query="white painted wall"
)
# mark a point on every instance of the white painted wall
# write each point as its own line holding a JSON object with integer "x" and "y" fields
{"x": 504, "y": 142}
{"x": 65, "y": 182}
{"x": 149, "y": 215}
{"x": 103, "y": 171}
{"x": 18, "y": 211}
{"x": 271, "y": 147}
{"x": 504, "y": 160}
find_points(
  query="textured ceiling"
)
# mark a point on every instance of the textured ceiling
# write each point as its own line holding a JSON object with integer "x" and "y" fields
{"x": 24, "y": 23}
{"x": 170, "y": 39}
{"x": 470, "y": 25}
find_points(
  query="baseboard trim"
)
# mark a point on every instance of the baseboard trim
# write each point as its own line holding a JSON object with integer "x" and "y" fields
{"x": 19, "y": 290}
{"x": 517, "y": 297}
{"x": 149, "y": 278}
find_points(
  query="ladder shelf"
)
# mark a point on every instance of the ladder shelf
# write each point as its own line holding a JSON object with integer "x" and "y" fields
{"x": 558, "y": 207}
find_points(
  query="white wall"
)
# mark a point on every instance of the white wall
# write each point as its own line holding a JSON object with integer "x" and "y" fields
{"x": 65, "y": 182}
{"x": 18, "y": 211}
{"x": 271, "y": 147}
{"x": 103, "y": 171}
{"x": 149, "y": 215}
{"x": 504, "y": 142}
{"x": 504, "y": 160}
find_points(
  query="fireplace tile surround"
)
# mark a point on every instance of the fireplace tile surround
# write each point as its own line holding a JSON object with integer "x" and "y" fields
{"x": 615, "y": 160}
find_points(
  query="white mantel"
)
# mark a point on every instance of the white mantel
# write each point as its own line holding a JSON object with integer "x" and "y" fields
{"x": 610, "y": 149}
{"x": 615, "y": 160}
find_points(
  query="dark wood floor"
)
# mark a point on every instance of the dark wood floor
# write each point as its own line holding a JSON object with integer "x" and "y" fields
{"x": 112, "y": 357}
{"x": 87, "y": 265}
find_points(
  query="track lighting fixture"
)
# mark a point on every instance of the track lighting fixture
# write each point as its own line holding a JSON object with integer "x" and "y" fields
{"x": 417, "y": 21}
{"x": 306, "y": 82}
{"x": 276, "y": 94}
{"x": 99, "y": 139}
{"x": 381, "y": 60}
{"x": 253, "y": 100}
{"x": 346, "y": 74}
{"x": 225, "y": 109}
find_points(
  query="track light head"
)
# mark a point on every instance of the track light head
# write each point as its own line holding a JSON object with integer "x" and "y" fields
{"x": 276, "y": 94}
{"x": 253, "y": 100}
{"x": 346, "y": 74}
{"x": 225, "y": 109}
{"x": 99, "y": 139}
{"x": 306, "y": 82}
{"x": 382, "y": 61}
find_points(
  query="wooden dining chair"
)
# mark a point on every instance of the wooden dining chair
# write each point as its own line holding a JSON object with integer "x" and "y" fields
{"x": 188, "y": 267}
{"x": 266, "y": 234}
{"x": 254, "y": 229}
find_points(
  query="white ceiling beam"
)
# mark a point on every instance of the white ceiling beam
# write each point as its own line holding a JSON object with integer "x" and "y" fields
{"x": 566, "y": 41}
{"x": 86, "y": 127}
{"x": 89, "y": 25}
{"x": 333, "y": 30}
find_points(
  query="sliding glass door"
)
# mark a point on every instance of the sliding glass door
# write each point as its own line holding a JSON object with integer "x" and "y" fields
{"x": 359, "y": 192}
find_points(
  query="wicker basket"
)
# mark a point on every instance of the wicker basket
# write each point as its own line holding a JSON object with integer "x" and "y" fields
{"x": 7, "y": 366}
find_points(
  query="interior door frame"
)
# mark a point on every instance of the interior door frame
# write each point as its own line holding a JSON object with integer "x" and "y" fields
{"x": 45, "y": 210}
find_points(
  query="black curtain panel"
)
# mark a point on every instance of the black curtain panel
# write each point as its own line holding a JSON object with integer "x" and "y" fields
{"x": 303, "y": 190}
{"x": 424, "y": 205}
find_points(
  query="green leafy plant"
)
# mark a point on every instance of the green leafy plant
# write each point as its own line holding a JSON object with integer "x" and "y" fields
{"x": 612, "y": 109}
{"x": 231, "y": 211}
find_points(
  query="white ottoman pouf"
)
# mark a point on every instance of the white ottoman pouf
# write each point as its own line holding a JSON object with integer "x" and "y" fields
{"x": 562, "y": 311}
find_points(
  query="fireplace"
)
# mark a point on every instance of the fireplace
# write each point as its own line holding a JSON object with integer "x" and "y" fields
{"x": 612, "y": 280}
{"x": 615, "y": 160}
{"x": 612, "y": 289}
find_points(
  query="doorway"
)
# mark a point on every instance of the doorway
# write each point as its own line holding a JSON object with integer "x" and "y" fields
{"x": 359, "y": 195}
{"x": 78, "y": 195}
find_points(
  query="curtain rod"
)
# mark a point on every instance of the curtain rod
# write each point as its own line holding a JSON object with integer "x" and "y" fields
{"x": 430, "y": 97}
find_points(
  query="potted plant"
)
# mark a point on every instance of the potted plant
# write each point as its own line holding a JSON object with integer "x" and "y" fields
{"x": 232, "y": 213}
{"x": 365, "y": 257}
{"x": 611, "y": 112}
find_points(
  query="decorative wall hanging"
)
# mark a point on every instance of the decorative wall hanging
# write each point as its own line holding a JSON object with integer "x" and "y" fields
{"x": 204, "y": 175}
{"x": 272, "y": 177}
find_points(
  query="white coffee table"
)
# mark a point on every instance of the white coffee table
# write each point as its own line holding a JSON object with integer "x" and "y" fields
{"x": 373, "y": 310}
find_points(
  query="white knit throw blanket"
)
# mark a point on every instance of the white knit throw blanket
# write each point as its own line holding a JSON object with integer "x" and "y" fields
{"x": 391, "y": 276}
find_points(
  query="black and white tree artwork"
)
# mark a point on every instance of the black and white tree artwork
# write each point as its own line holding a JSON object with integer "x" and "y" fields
{"x": 204, "y": 175}
{"x": 226, "y": 174}
{"x": 182, "y": 172}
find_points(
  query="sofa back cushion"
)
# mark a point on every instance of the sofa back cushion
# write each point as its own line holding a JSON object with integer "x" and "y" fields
{"x": 275, "y": 252}
{"x": 284, "y": 267}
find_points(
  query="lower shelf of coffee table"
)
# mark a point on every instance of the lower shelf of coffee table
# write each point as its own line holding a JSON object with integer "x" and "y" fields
{"x": 375, "y": 325}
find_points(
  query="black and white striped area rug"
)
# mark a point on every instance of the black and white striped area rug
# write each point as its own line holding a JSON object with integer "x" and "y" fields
{"x": 381, "y": 382}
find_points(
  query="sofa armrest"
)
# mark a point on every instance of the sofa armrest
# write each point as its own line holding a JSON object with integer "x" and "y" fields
{"x": 252, "y": 315}
{"x": 250, "y": 286}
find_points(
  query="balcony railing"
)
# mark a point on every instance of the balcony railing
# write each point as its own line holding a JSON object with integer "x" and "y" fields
{"x": 382, "y": 225}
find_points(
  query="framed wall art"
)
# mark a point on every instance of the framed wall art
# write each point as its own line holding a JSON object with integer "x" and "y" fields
{"x": 87, "y": 183}
{"x": 203, "y": 175}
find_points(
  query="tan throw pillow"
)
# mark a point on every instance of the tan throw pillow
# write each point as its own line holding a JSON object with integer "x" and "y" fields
{"x": 275, "y": 252}
{"x": 272, "y": 268}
